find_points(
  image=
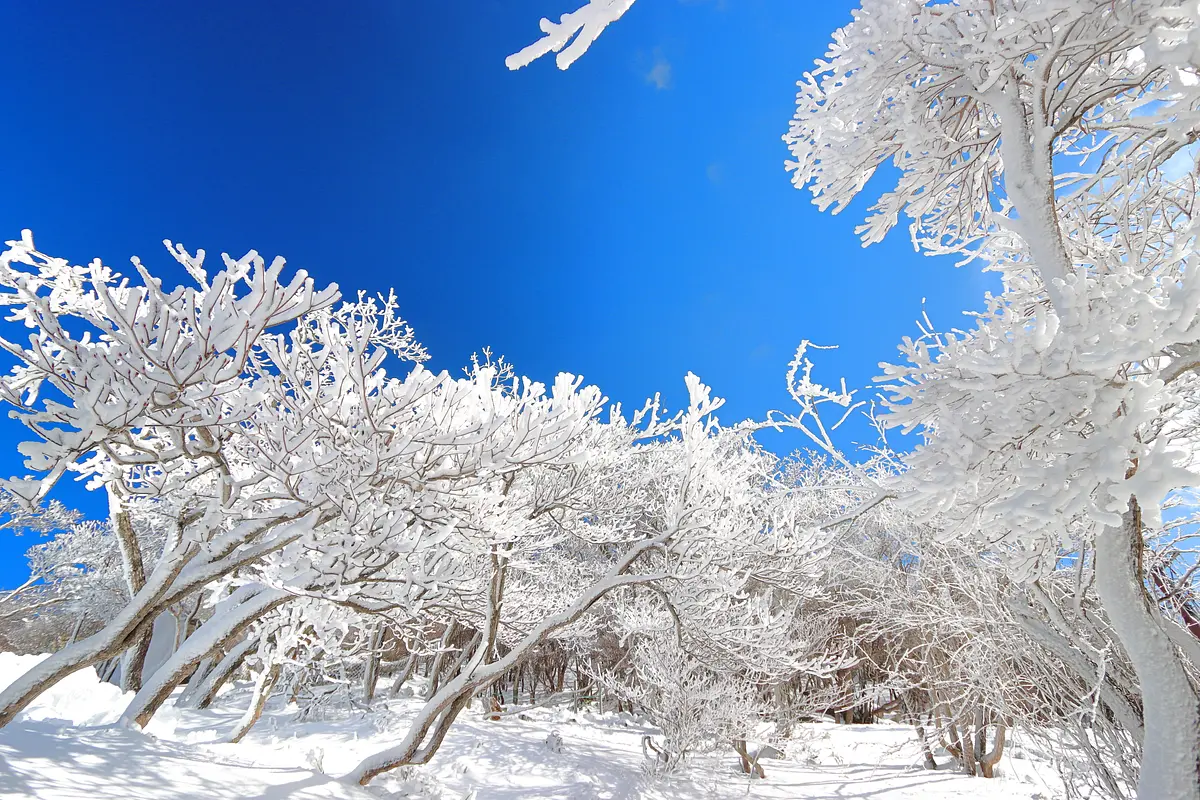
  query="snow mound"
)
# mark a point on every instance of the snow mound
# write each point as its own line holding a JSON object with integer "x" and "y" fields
{"x": 80, "y": 699}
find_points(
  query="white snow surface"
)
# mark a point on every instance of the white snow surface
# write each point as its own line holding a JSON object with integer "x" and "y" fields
{"x": 65, "y": 746}
{"x": 80, "y": 699}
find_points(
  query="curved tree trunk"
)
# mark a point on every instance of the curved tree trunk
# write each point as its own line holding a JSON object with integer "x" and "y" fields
{"x": 134, "y": 662}
{"x": 1171, "y": 709}
{"x": 206, "y": 691}
{"x": 410, "y": 667}
{"x": 214, "y": 634}
{"x": 988, "y": 760}
{"x": 262, "y": 691}
{"x": 110, "y": 641}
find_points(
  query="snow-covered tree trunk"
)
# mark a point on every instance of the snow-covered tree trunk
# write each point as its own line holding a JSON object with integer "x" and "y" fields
{"x": 418, "y": 746}
{"x": 110, "y": 641}
{"x": 1171, "y": 747}
{"x": 216, "y": 633}
{"x": 206, "y": 690}
{"x": 258, "y": 703}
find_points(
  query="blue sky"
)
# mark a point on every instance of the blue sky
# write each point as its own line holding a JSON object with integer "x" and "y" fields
{"x": 629, "y": 219}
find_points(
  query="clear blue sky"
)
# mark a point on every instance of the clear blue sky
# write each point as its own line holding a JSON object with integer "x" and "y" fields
{"x": 629, "y": 219}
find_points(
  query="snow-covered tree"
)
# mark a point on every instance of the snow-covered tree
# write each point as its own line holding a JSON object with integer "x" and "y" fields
{"x": 50, "y": 598}
{"x": 655, "y": 501}
{"x": 1034, "y": 136}
{"x": 284, "y": 461}
{"x": 262, "y": 465}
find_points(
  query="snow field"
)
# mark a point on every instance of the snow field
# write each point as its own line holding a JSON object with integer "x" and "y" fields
{"x": 65, "y": 747}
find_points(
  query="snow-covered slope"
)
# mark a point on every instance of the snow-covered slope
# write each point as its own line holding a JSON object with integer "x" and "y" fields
{"x": 43, "y": 755}
{"x": 47, "y": 761}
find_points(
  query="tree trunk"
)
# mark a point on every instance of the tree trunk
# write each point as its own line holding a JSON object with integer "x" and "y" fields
{"x": 262, "y": 691}
{"x": 930, "y": 761}
{"x": 221, "y": 629}
{"x": 967, "y": 746}
{"x": 206, "y": 690}
{"x": 134, "y": 661}
{"x": 750, "y": 766}
{"x": 135, "y": 581}
{"x": 435, "y": 670}
{"x": 409, "y": 668}
{"x": 371, "y": 673}
{"x": 1170, "y": 706}
{"x": 989, "y": 760}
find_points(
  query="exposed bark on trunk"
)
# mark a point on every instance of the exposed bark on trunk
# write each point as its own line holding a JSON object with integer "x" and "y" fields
{"x": 1171, "y": 709}
{"x": 224, "y": 628}
{"x": 967, "y": 747}
{"x": 262, "y": 691}
{"x": 750, "y": 766}
{"x": 134, "y": 661}
{"x": 988, "y": 760}
{"x": 409, "y": 668}
{"x": 206, "y": 690}
{"x": 980, "y": 746}
{"x": 371, "y": 673}
{"x": 135, "y": 581}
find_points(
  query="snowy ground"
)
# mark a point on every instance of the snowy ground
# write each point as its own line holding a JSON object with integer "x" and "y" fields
{"x": 45, "y": 755}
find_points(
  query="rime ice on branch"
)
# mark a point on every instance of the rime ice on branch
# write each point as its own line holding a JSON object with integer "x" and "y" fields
{"x": 588, "y": 21}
